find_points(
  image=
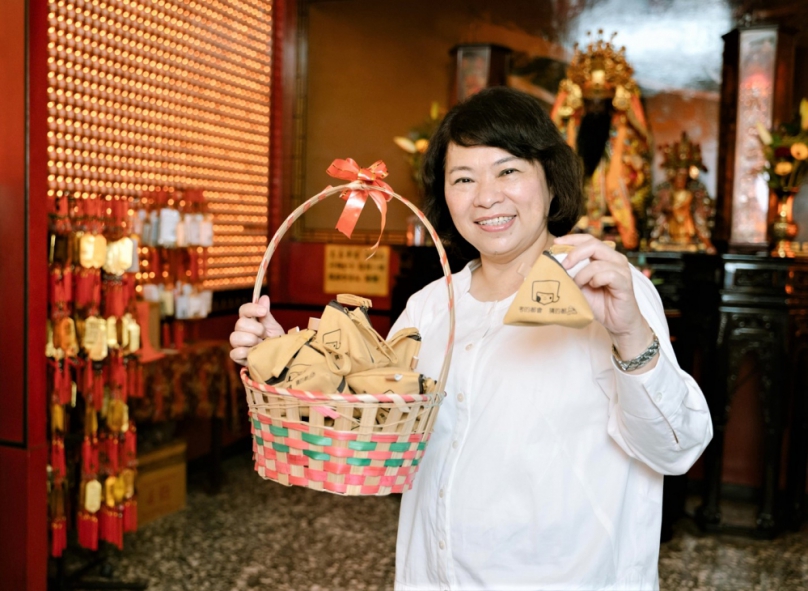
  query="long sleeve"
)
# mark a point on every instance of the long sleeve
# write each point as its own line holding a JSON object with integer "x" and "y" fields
{"x": 660, "y": 417}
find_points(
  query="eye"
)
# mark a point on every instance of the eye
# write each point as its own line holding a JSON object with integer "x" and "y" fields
{"x": 462, "y": 179}
{"x": 508, "y": 171}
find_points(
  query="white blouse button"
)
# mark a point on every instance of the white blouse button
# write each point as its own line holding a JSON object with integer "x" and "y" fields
{"x": 442, "y": 493}
{"x": 454, "y": 444}
{"x": 460, "y": 397}
{"x": 469, "y": 347}
{"x": 442, "y": 545}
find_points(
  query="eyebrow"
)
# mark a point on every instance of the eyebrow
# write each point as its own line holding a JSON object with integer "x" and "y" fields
{"x": 497, "y": 163}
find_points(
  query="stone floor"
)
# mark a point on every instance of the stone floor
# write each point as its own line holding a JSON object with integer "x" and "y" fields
{"x": 260, "y": 535}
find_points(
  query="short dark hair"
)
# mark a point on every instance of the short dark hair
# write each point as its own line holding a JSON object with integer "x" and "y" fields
{"x": 516, "y": 122}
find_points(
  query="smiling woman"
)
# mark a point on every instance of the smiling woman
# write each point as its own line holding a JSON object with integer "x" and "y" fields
{"x": 523, "y": 487}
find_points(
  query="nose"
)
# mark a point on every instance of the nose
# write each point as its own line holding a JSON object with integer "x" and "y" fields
{"x": 488, "y": 194}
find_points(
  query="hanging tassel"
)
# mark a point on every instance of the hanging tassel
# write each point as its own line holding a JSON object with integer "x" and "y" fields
{"x": 95, "y": 303}
{"x": 111, "y": 525}
{"x": 58, "y": 536}
{"x": 129, "y": 285}
{"x": 94, "y": 461}
{"x": 57, "y": 374}
{"x": 113, "y": 457}
{"x": 103, "y": 523}
{"x": 123, "y": 383}
{"x": 103, "y": 460}
{"x": 67, "y": 288}
{"x": 57, "y": 458}
{"x": 116, "y": 527}
{"x": 83, "y": 289}
{"x": 88, "y": 530}
{"x": 129, "y": 459}
{"x": 60, "y": 292}
{"x": 119, "y": 527}
{"x": 87, "y": 380}
{"x": 117, "y": 375}
{"x": 130, "y": 376}
{"x": 130, "y": 515}
{"x": 89, "y": 458}
{"x": 179, "y": 334}
{"x": 165, "y": 334}
{"x": 113, "y": 298}
{"x": 193, "y": 265}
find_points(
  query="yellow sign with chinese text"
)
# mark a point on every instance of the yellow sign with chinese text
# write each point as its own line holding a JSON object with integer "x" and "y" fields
{"x": 346, "y": 270}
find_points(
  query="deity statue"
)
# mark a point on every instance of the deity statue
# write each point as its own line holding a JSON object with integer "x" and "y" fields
{"x": 681, "y": 211}
{"x": 599, "y": 112}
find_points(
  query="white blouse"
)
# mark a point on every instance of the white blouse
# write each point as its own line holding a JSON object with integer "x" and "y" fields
{"x": 545, "y": 467}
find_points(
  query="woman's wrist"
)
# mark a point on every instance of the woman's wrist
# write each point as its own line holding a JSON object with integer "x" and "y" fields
{"x": 634, "y": 342}
{"x": 643, "y": 362}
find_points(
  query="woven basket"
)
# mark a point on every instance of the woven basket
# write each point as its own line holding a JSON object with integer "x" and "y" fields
{"x": 348, "y": 444}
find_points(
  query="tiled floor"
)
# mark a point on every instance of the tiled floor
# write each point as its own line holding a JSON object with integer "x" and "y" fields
{"x": 260, "y": 535}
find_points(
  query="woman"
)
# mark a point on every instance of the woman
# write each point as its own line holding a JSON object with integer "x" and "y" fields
{"x": 545, "y": 467}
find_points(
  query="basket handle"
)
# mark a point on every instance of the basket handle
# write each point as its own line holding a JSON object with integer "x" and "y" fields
{"x": 328, "y": 191}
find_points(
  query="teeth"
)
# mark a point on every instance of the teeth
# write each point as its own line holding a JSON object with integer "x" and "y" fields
{"x": 503, "y": 219}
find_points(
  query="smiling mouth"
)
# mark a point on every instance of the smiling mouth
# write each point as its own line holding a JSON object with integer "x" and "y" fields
{"x": 497, "y": 221}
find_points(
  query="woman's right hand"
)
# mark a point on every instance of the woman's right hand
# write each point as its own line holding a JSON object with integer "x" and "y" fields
{"x": 254, "y": 324}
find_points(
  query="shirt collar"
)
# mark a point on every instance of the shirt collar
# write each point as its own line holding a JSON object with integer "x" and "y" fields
{"x": 462, "y": 283}
{"x": 462, "y": 279}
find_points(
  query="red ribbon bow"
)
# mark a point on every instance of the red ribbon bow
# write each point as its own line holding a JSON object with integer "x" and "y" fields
{"x": 355, "y": 199}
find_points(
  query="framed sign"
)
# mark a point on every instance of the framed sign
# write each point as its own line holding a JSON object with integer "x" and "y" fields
{"x": 348, "y": 269}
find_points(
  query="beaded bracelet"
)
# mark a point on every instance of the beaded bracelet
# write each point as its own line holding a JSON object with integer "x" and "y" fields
{"x": 641, "y": 360}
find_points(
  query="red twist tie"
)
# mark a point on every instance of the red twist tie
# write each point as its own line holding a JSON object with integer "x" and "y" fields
{"x": 349, "y": 170}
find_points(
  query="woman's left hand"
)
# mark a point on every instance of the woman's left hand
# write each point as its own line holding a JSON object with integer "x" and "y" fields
{"x": 607, "y": 285}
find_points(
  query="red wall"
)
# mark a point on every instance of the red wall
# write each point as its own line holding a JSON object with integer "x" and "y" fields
{"x": 23, "y": 293}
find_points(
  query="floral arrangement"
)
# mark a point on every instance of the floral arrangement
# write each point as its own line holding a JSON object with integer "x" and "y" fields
{"x": 416, "y": 141}
{"x": 786, "y": 152}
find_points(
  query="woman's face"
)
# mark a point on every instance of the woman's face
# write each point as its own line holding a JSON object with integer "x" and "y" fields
{"x": 498, "y": 202}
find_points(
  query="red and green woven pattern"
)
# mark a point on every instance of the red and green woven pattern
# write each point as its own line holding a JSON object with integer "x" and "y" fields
{"x": 335, "y": 461}
{"x": 368, "y": 444}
